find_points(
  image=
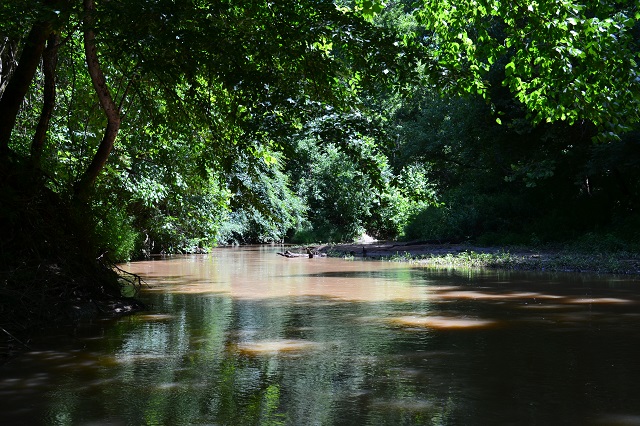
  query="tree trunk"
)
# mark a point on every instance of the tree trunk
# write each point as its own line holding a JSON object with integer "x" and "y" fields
{"x": 49, "y": 63}
{"x": 111, "y": 110}
{"x": 18, "y": 85}
{"x": 8, "y": 60}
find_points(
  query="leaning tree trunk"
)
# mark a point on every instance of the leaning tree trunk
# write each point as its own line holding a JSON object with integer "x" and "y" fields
{"x": 18, "y": 85}
{"x": 49, "y": 62}
{"x": 111, "y": 110}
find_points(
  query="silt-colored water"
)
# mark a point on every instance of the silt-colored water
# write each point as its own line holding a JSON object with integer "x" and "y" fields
{"x": 243, "y": 336}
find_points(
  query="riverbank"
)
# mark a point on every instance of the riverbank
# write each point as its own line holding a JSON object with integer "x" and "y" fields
{"x": 51, "y": 271}
{"x": 509, "y": 258}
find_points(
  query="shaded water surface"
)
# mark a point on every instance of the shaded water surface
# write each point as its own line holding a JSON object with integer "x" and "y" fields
{"x": 242, "y": 336}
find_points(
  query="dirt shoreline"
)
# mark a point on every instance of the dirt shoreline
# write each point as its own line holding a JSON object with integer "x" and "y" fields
{"x": 386, "y": 249}
{"x": 466, "y": 255}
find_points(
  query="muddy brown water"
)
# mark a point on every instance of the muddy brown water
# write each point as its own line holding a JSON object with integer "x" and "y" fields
{"x": 243, "y": 336}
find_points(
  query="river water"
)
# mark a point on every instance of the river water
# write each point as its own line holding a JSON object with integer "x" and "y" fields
{"x": 243, "y": 336}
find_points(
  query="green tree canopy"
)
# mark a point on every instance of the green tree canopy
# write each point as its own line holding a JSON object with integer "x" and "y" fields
{"x": 229, "y": 76}
{"x": 565, "y": 60}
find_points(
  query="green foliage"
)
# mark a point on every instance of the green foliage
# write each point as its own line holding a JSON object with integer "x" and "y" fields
{"x": 406, "y": 196}
{"x": 113, "y": 232}
{"x": 369, "y": 7}
{"x": 184, "y": 223}
{"x": 513, "y": 184}
{"x": 565, "y": 61}
{"x": 593, "y": 242}
{"x": 263, "y": 207}
{"x": 195, "y": 161}
{"x": 305, "y": 120}
{"x": 339, "y": 195}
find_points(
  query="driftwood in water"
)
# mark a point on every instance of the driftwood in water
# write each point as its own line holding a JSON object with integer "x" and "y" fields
{"x": 310, "y": 254}
{"x": 289, "y": 254}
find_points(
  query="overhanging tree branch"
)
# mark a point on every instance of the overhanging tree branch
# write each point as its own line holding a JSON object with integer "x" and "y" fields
{"x": 111, "y": 110}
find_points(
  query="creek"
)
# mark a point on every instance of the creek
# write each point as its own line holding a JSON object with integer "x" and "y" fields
{"x": 243, "y": 336}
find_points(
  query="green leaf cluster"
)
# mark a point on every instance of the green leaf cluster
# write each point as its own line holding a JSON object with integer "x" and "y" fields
{"x": 565, "y": 61}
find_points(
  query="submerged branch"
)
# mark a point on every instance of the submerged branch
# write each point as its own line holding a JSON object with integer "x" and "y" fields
{"x": 15, "y": 338}
{"x": 131, "y": 278}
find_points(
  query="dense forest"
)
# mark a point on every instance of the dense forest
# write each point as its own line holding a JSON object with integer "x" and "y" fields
{"x": 129, "y": 128}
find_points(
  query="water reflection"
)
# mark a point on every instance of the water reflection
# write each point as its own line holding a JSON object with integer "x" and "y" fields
{"x": 273, "y": 347}
{"x": 440, "y": 322}
{"x": 243, "y": 336}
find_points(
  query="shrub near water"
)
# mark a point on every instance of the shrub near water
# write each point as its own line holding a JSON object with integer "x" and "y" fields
{"x": 114, "y": 231}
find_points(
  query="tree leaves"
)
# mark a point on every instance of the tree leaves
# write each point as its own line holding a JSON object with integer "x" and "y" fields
{"x": 369, "y": 8}
{"x": 564, "y": 61}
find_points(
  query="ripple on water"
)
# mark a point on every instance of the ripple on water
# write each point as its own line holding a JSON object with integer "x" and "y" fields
{"x": 405, "y": 405}
{"x": 155, "y": 317}
{"x": 617, "y": 419}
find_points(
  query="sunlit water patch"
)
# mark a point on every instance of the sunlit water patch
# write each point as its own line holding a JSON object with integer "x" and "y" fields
{"x": 270, "y": 347}
{"x": 599, "y": 300}
{"x": 441, "y": 322}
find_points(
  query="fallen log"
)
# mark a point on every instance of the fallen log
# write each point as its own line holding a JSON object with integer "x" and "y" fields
{"x": 290, "y": 254}
{"x": 310, "y": 254}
